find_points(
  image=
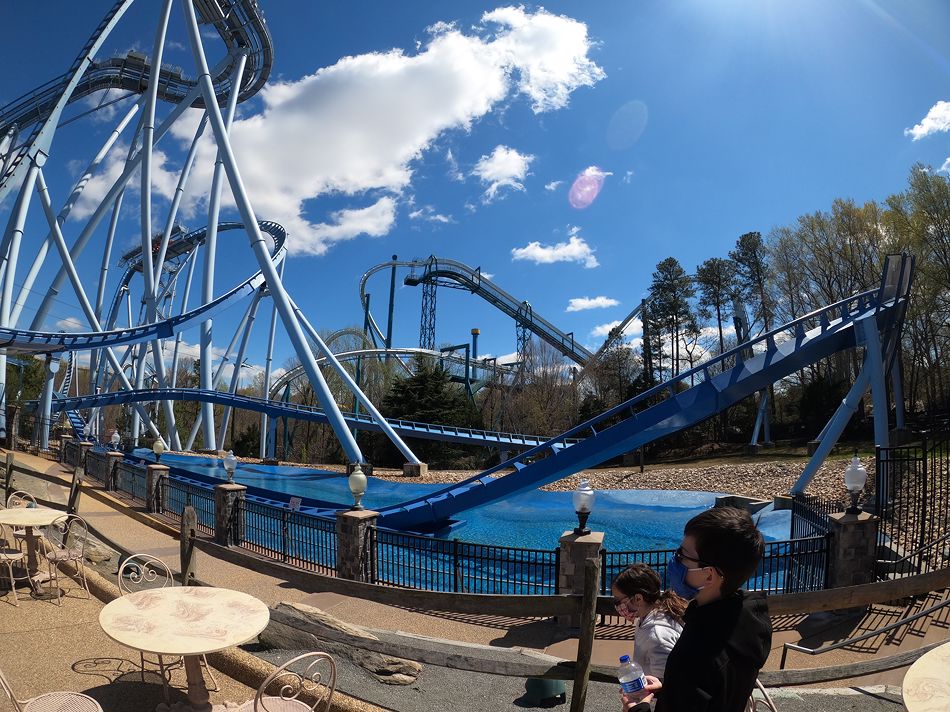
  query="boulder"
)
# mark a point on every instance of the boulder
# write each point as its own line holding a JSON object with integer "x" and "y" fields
{"x": 297, "y": 626}
{"x": 97, "y": 554}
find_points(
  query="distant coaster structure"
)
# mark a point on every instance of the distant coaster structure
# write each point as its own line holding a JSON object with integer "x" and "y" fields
{"x": 135, "y": 363}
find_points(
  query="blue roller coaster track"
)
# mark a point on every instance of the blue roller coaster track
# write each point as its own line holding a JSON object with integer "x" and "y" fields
{"x": 872, "y": 318}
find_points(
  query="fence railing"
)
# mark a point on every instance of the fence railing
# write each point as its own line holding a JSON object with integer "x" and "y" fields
{"x": 177, "y": 495}
{"x": 913, "y": 502}
{"x": 432, "y": 564}
{"x": 303, "y": 540}
{"x": 790, "y": 566}
{"x": 810, "y": 515}
{"x": 130, "y": 480}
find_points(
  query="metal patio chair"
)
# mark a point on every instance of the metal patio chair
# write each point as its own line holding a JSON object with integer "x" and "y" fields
{"x": 11, "y": 554}
{"x": 51, "y": 701}
{"x": 143, "y": 571}
{"x": 317, "y": 680}
{"x": 20, "y": 500}
{"x": 764, "y": 705}
{"x": 66, "y": 542}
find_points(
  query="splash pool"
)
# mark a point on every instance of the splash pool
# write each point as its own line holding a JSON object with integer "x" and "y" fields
{"x": 632, "y": 520}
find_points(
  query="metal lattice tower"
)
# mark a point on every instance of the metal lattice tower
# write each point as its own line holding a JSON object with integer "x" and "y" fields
{"x": 427, "y": 319}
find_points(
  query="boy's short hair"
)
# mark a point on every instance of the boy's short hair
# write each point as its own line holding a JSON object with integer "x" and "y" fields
{"x": 728, "y": 539}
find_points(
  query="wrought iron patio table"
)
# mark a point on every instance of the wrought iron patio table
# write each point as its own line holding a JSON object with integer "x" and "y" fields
{"x": 28, "y": 518}
{"x": 187, "y": 621}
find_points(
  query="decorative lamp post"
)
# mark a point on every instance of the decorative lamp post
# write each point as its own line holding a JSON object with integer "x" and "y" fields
{"x": 357, "y": 483}
{"x": 158, "y": 447}
{"x": 116, "y": 439}
{"x": 583, "y": 504}
{"x": 230, "y": 465}
{"x": 855, "y": 477}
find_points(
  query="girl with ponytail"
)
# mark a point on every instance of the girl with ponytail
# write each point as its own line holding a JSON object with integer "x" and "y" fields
{"x": 637, "y": 596}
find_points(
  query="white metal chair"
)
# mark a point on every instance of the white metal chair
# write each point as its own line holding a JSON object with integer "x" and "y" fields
{"x": 51, "y": 701}
{"x": 766, "y": 703}
{"x": 11, "y": 554}
{"x": 20, "y": 500}
{"x": 142, "y": 571}
{"x": 67, "y": 538}
{"x": 316, "y": 681}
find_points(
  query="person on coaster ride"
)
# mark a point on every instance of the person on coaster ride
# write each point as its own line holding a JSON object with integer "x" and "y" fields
{"x": 637, "y": 597}
{"x": 726, "y": 631}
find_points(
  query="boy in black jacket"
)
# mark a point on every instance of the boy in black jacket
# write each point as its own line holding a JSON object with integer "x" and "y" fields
{"x": 726, "y": 631}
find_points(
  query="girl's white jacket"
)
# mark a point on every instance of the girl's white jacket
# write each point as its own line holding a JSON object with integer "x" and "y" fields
{"x": 654, "y": 639}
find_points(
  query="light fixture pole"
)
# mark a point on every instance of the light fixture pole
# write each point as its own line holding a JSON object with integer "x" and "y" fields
{"x": 855, "y": 477}
{"x": 230, "y": 465}
{"x": 158, "y": 447}
{"x": 583, "y": 505}
{"x": 357, "y": 483}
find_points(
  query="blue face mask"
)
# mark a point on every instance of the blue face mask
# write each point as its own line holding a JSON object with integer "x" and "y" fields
{"x": 677, "y": 573}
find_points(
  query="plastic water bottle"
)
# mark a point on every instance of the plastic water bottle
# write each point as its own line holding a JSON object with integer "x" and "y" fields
{"x": 630, "y": 675}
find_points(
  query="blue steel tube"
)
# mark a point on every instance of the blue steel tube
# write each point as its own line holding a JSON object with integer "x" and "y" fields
{"x": 46, "y": 404}
{"x": 13, "y": 238}
{"x": 118, "y": 186}
{"x": 60, "y": 243}
{"x": 392, "y": 305}
{"x": 259, "y": 245}
{"x": 268, "y": 363}
{"x": 361, "y": 397}
{"x": 211, "y": 250}
{"x": 238, "y": 364}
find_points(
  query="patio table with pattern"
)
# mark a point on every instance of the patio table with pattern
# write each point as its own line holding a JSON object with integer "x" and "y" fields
{"x": 28, "y": 518}
{"x": 187, "y": 621}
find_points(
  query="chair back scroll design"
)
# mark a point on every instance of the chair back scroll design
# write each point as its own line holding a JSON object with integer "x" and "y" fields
{"x": 69, "y": 534}
{"x": 5, "y": 686}
{"x": 316, "y": 680}
{"x": 20, "y": 500}
{"x": 141, "y": 571}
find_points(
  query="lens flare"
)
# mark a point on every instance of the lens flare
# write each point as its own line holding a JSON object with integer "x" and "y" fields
{"x": 586, "y": 187}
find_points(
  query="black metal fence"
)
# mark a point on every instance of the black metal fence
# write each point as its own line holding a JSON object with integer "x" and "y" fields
{"x": 810, "y": 515}
{"x": 913, "y": 502}
{"x": 177, "y": 495}
{"x": 429, "y": 563}
{"x": 790, "y": 566}
{"x": 303, "y": 540}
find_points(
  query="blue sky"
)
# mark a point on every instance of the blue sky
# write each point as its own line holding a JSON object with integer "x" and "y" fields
{"x": 457, "y": 130}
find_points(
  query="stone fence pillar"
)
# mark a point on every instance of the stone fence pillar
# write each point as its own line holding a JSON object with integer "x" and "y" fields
{"x": 229, "y": 513}
{"x": 853, "y": 556}
{"x": 84, "y": 448}
{"x": 575, "y": 550}
{"x": 154, "y": 489}
{"x": 114, "y": 458}
{"x": 355, "y": 553}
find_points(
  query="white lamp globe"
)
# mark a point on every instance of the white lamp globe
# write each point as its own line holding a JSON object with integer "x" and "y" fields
{"x": 357, "y": 483}
{"x": 855, "y": 477}
{"x": 584, "y": 498}
{"x": 230, "y": 464}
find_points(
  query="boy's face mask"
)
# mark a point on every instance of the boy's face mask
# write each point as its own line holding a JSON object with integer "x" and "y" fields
{"x": 677, "y": 571}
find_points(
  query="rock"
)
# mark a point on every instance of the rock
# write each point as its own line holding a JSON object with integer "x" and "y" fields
{"x": 297, "y": 626}
{"x": 97, "y": 554}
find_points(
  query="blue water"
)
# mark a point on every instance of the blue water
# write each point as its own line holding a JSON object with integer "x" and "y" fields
{"x": 631, "y": 519}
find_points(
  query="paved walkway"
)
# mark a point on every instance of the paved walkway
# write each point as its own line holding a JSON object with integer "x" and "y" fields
{"x": 126, "y": 534}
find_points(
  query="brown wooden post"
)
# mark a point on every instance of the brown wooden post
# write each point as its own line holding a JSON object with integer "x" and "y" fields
{"x": 186, "y": 539}
{"x": 75, "y": 490}
{"x": 585, "y": 643}
{"x": 8, "y": 476}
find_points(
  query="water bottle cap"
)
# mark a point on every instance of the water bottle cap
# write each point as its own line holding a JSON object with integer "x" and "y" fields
{"x": 625, "y": 658}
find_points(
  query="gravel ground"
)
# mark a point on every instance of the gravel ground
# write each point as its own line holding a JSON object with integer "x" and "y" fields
{"x": 760, "y": 479}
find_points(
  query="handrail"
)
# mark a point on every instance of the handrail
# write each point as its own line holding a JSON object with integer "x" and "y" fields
{"x": 864, "y": 636}
{"x": 919, "y": 550}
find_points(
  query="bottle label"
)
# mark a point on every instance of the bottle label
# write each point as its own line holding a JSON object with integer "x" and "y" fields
{"x": 634, "y": 685}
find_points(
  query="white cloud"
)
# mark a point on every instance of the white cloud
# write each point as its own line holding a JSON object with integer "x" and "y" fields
{"x": 360, "y": 124}
{"x": 936, "y": 120}
{"x": 71, "y": 324}
{"x": 454, "y": 172}
{"x": 504, "y": 168}
{"x": 604, "y": 329}
{"x": 429, "y": 214}
{"x": 375, "y": 220}
{"x": 627, "y": 177}
{"x": 581, "y": 303}
{"x": 575, "y": 249}
{"x": 487, "y": 275}
{"x": 945, "y": 168}
{"x": 553, "y": 185}
{"x": 164, "y": 181}
{"x": 98, "y": 100}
